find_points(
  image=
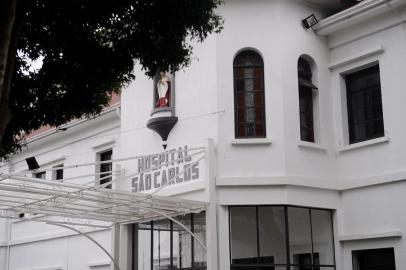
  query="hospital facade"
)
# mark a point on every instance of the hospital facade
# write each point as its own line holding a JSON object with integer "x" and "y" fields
{"x": 293, "y": 138}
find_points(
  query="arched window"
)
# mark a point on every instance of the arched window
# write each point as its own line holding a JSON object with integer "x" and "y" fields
{"x": 306, "y": 103}
{"x": 249, "y": 97}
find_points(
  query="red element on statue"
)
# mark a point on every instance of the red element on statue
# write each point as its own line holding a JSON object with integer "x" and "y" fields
{"x": 162, "y": 102}
{"x": 164, "y": 91}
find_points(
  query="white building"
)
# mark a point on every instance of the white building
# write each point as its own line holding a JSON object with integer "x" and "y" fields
{"x": 290, "y": 135}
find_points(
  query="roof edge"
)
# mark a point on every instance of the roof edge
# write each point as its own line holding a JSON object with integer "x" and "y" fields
{"x": 360, "y": 12}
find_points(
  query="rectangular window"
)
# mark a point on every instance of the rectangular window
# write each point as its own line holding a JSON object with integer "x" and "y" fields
{"x": 364, "y": 105}
{"x": 164, "y": 244}
{"x": 281, "y": 237}
{"x": 374, "y": 259}
{"x": 40, "y": 175}
{"x": 57, "y": 174}
{"x": 106, "y": 168}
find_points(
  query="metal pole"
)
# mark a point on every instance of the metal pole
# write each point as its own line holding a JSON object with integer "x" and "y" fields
{"x": 91, "y": 239}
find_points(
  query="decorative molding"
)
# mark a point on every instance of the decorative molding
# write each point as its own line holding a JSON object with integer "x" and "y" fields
{"x": 355, "y": 58}
{"x": 353, "y": 146}
{"x": 162, "y": 109}
{"x": 313, "y": 146}
{"x": 255, "y": 141}
{"x": 370, "y": 236}
{"x": 57, "y": 267}
{"x": 110, "y": 143}
{"x": 281, "y": 180}
{"x": 96, "y": 264}
{"x": 52, "y": 162}
{"x": 357, "y": 13}
{"x": 316, "y": 183}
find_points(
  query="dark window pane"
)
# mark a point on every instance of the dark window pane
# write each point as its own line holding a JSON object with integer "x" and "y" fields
{"x": 272, "y": 235}
{"x": 199, "y": 229}
{"x": 243, "y": 235}
{"x": 40, "y": 175}
{"x": 161, "y": 245}
{"x": 249, "y": 107}
{"x": 182, "y": 243}
{"x": 240, "y": 130}
{"x": 260, "y": 130}
{"x": 322, "y": 228}
{"x": 239, "y": 85}
{"x": 106, "y": 168}
{"x": 59, "y": 174}
{"x": 300, "y": 244}
{"x": 248, "y": 58}
{"x": 258, "y": 114}
{"x": 259, "y": 98}
{"x": 374, "y": 259}
{"x": 364, "y": 105}
{"x": 236, "y": 267}
{"x": 144, "y": 249}
{"x": 306, "y": 114}
{"x": 250, "y": 129}
{"x": 305, "y": 100}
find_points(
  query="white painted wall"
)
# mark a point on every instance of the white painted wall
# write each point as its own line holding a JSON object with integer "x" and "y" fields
{"x": 278, "y": 170}
{"x": 34, "y": 245}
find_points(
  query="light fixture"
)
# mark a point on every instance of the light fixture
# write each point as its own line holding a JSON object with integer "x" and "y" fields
{"x": 32, "y": 163}
{"x": 310, "y": 21}
{"x": 60, "y": 128}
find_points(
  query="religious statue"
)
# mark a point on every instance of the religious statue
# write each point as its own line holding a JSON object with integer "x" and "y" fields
{"x": 164, "y": 90}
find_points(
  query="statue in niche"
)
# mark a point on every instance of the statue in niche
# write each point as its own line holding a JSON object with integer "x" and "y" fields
{"x": 164, "y": 90}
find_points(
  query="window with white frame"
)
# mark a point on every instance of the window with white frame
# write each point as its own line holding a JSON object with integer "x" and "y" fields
{"x": 40, "y": 175}
{"x": 374, "y": 259}
{"x": 57, "y": 172}
{"x": 105, "y": 168}
{"x": 281, "y": 237}
{"x": 164, "y": 244}
{"x": 364, "y": 104}
{"x": 249, "y": 95}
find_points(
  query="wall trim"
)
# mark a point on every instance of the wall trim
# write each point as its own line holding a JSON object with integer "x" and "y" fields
{"x": 353, "y": 146}
{"x": 308, "y": 182}
{"x": 346, "y": 18}
{"x": 357, "y": 57}
{"x": 370, "y": 236}
{"x": 44, "y": 237}
{"x": 95, "y": 264}
{"x": 108, "y": 143}
{"x": 53, "y": 267}
{"x": 253, "y": 141}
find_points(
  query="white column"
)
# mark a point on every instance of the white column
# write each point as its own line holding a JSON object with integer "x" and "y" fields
{"x": 125, "y": 256}
{"x": 115, "y": 245}
{"x": 211, "y": 208}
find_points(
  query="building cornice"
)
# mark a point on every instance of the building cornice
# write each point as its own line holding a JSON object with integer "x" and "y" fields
{"x": 112, "y": 109}
{"x": 358, "y": 13}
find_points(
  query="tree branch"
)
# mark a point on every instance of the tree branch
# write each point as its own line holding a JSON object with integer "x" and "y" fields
{"x": 18, "y": 8}
{"x": 7, "y": 18}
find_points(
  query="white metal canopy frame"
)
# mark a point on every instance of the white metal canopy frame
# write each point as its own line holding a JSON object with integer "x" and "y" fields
{"x": 77, "y": 206}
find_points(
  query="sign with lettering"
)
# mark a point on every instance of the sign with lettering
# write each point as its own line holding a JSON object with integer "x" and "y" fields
{"x": 167, "y": 168}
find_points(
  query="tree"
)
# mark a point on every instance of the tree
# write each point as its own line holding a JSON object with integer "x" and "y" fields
{"x": 89, "y": 49}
